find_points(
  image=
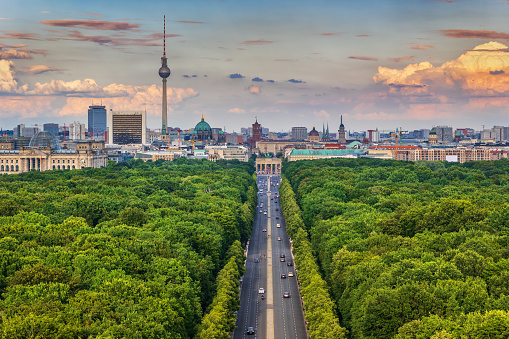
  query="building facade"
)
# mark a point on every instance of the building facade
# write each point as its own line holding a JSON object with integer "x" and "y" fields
{"x": 444, "y": 134}
{"x": 97, "y": 119}
{"x": 240, "y": 153}
{"x": 341, "y": 133}
{"x": 127, "y": 127}
{"x": 299, "y": 133}
{"x": 51, "y": 128}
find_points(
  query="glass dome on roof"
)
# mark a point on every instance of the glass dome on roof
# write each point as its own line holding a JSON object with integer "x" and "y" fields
{"x": 43, "y": 139}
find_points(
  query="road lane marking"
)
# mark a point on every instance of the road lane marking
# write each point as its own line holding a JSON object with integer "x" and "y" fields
{"x": 270, "y": 296}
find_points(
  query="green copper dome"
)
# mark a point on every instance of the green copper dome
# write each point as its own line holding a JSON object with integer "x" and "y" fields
{"x": 202, "y": 126}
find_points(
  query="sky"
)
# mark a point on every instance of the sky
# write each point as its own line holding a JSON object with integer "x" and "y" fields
{"x": 380, "y": 64}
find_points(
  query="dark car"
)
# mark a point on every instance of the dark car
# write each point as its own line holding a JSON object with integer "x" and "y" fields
{"x": 277, "y": 209}
{"x": 289, "y": 263}
{"x": 250, "y": 330}
{"x": 282, "y": 256}
{"x": 283, "y": 260}
{"x": 283, "y": 276}
{"x": 286, "y": 295}
{"x": 256, "y": 260}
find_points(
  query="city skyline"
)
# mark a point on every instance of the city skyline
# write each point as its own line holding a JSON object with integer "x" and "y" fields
{"x": 380, "y": 64}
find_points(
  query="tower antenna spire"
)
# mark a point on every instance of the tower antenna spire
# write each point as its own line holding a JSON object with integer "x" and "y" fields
{"x": 164, "y": 37}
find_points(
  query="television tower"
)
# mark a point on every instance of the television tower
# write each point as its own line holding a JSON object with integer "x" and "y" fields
{"x": 164, "y": 72}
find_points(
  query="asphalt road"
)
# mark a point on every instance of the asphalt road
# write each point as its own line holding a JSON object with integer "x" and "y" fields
{"x": 275, "y": 316}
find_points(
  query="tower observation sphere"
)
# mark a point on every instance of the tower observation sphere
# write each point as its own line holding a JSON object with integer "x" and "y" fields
{"x": 164, "y": 72}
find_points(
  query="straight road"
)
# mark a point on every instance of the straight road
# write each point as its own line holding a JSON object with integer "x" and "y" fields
{"x": 275, "y": 316}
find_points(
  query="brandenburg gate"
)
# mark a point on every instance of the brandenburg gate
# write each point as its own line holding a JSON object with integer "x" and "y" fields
{"x": 268, "y": 166}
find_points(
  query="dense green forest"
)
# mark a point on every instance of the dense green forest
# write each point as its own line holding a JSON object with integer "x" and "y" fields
{"x": 134, "y": 250}
{"x": 408, "y": 250}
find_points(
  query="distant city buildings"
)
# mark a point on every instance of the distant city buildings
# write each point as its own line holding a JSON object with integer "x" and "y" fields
{"x": 127, "y": 127}
{"x": 97, "y": 118}
{"x": 51, "y": 128}
{"x": 341, "y": 133}
{"x": 299, "y": 133}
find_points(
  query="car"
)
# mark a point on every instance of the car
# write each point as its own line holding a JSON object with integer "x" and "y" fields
{"x": 256, "y": 260}
{"x": 282, "y": 260}
{"x": 290, "y": 274}
{"x": 277, "y": 217}
{"x": 283, "y": 276}
{"x": 277, "y": 209}
{"x": 286, "y": 295}
{"x": 261, "y": 290}
{"x": 278, "y": 225}
{"x": 264, "y": 230}
{"x": 260, "y": 211}
{"x": 278, "y": 238}
{"x": 265, "y": 213}
{"x": 250, "y": 330}
{"x": 289, "y": 263}
{"x": 282, "y": 256}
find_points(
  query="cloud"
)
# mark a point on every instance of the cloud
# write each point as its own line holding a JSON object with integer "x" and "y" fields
{"x": 270, "y": 81}
{"x": 7, "y": 82}
{"x": 330, "y": 34}
{"x": 287, "y": 60}
{"x": 257, "y": 42}
{"x": 254, "y": 89}
{"x": 5, "y": 19}
{"x": 363, "y": 35}
{"x": 473, "y": 34}
{"x": 191, "y": 22}
{"x": 189, "y": 76}
{"x": 39, "y": 69}
{"x": 469, "y": 75}
{"x": 236, "y": 76}
{"x": 295, "y": 81}
{"x": 92, "y": 24}
{"x": 14, "y": 54}
{"x": 106, "y": 40}
{"x": 321, "y": 114}
{"x": 236, "y": 110}
{"x": 257, "y": 79}
{"x": 92, "y": 14}
{"x": 401, "y": 59}
{"x": 360, "y": 57}
{"x": 19, "y": 35}
{"x": 422, "y": 47}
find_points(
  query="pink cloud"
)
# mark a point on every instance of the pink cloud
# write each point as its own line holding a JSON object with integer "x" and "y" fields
{"x": 363, "y": 35}
{"x": 191, "y": 22}
{"x": 401, "y": 59}
{"x": 257, "y": 42}
{"x": 237, "y": 110}
{"x": 254, "y": 89}
{"x": 422, "y": 47}
{"x": 92, "y": 14}
{"x": 19, "y": 35}
{"x": 321, "y": 114}
{"x": 330, "y": 34}
{"x": 473, "y": 34}
{"x": 39, "y": 69}
{"x": 14, "y": 54}
{"x": 360, "y": 57}
{"x": 92, "y": 24}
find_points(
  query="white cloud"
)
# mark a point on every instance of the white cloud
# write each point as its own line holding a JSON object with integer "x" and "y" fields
{"x": 236, "y": 110}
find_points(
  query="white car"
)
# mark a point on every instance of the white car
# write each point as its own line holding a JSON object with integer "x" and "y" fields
{"x": 278, "y": 225}
{"x": 261, "y": 290}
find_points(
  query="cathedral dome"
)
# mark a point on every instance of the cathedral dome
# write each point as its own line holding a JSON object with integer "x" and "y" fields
{"x": 202, "y": 126}
{"x": 44, "y": 139}
{"x": 314, "y": 132}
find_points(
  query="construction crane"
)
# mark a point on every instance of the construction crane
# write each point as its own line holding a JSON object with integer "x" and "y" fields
{"x": 397, "y": 135}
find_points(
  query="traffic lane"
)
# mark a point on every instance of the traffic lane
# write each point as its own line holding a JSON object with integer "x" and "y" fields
{"x": 252, "y": 311}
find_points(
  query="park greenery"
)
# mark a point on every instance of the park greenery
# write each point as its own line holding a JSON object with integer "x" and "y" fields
{"x": 407, "y": 250}
{"x": 134, "y": 250}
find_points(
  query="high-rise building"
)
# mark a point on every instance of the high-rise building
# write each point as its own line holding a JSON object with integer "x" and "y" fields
{"x": 299, "y": 133}
{"x": 444, "y": 134}
{"x": 97, "y": 120}
{"x": 341, "y": 133}
{"x": 18, "y": 130}
{"x": 52, "y": 128}
{"x": 127, "y": 127}
{"x": 373, "y": 135}
{"x": 77, "y": 131}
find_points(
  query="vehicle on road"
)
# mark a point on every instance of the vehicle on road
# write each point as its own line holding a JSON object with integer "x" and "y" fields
{"x": 278, "y": 225}
{"x": 256, "y": 260}
{"x": 277, "y": 209}
{"x": 261, "y": 290}
{"x": 263, "y": 297}
{"x": 289, "y": 263}
{"x": 283, "y": 276}
{"x": 282, "y": 256}
{"x": 290, "y": 274}
{"x": 250, "y": 330}
{"x": 260, "y": 211}
{"x": 265, "y": 213}
{"x": 277, "y": 217}
{"x": 282, "y": 259}
{"x": 286, "y": 295}
{"x": 279, "y": 239}
{"x": 264, "y": 230}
